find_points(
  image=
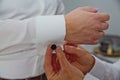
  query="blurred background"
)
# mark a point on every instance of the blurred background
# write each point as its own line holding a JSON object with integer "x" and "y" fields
{"x": 112, "y": 7}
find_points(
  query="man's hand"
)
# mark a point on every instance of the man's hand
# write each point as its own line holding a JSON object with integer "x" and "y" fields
{"x": 79, "y": 57}
{"x": 66, "y": 71}
{"x": 85, "y": 26}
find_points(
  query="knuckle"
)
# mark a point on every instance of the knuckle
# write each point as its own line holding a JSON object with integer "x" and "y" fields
{"x": 98, "y": 27}
{"x": 94, "y": 37}
{"x": 96, "y": 42}
{"x": 93, "y": 42}
{"x": 96, "y": 17}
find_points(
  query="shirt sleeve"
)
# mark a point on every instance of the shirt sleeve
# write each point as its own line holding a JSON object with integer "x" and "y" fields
{"x": 106, "y": 71}
{"x": 42, "y": 29}
{"x": 50, "y": 29}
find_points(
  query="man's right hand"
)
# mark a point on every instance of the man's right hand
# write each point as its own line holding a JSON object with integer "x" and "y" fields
{"x": 66, "y": 70}
{"x": 85, "y": 26}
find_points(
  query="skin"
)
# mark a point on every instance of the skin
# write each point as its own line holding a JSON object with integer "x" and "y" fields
{"x": 66, "y": 70}
{"x": 79, "y": 57}
{"x": 85, "y": 25}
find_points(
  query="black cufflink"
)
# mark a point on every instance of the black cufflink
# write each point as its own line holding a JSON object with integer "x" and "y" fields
{"x": 53, "y": 46}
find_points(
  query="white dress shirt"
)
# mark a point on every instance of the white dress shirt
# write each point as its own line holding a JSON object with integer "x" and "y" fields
{"x": 106, "y": 71}
{"x": 25, "y": 31}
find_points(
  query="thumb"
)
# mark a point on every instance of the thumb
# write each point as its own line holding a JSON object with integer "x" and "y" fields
{"x": 61, "y": 57}
{"x": 90, "y": 9}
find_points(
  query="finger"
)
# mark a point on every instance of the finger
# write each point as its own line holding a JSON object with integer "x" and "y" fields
{"x": 97, "y": 35}
{"x": 100, "y": 26}
{"x": 70, "y": 43}
{"x": 78, "y": 51}
{"x": 90, "y": 9}
{"x": 48, "y": 60}
{"x": 103, "y": 17}
{"x": 61, "y": 57}
{"x": 104, "y": 26}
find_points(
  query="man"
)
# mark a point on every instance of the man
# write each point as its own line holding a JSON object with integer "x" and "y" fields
{"x": 28, "y": 26}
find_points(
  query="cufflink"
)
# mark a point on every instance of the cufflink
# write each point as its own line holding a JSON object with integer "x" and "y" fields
{"x": 53, "y": 46}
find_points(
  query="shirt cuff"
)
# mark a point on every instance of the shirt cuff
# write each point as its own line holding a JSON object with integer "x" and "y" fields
{"x": 50, "y": 29}
{"x": 98, "y": 70}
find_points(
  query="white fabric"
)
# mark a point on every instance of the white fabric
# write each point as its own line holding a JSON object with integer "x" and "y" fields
{"x": 106, "y": 71}
{"x": 25, "y": 31}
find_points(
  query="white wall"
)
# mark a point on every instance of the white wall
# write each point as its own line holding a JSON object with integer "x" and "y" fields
{"x": 109, "y": 6}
